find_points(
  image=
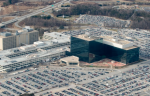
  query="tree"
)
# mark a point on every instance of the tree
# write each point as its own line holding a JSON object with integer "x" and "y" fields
{"x": 69, "y": 27}
{"x": 54, "y": 28}
{"x": 9, "y": 1}
{"x": 61, "y": 27}
{"x": 48, "y": 17}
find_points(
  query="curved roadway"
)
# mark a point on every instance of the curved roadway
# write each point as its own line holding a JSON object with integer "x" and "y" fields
{"x": 31, "y": 14}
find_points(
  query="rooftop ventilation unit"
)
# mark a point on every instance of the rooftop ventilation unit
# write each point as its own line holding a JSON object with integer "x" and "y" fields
{"x": 17, "y": 33}
{"x": 27, "y": 47}
{"x": 55, "y": 41}
{"x": 39, "y": 43}
{"x": 27, "y": 29}
{"x": 5, "y": 34}
{"x": 115, "y": 40}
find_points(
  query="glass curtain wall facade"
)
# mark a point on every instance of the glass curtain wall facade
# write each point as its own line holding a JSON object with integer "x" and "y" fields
{"x": 95, "y": 50}
{"x": 80, "y": 48}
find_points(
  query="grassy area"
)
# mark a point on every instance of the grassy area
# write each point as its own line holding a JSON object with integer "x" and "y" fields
{"x": 67, "y": 4}
{"x": 113, "y": 30}
{"x": 72, "y": 18}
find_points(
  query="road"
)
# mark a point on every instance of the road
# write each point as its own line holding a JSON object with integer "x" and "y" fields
{"x": 32, "y": 14}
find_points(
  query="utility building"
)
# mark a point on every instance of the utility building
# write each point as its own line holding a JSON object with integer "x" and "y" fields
{"x": 70, "y": 61}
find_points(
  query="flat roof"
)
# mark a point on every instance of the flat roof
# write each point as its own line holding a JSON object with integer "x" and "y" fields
{"x": 108, "y": 39}
{"x": 85, "y": 37}
{"x": 56, "y": 35}
{"x": 43, "y": 51}
{"x": 71, "y": 59}
{"x": 46, "y": 44}
{"x": 14, "y": 34}
{"x": 119, "y": 41}
{"x": 7, "y": 61}
{"x": 130, "y": 48}
{"x": 6, "y": 36}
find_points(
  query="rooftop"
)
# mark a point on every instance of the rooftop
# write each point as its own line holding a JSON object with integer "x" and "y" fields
{"x": 24, "y": 30}
{"x": 108, "y": 38}
{"x": 119, "y": 41}
{"x": 130, "y": 48}
{"x": 55, "y": 35}
{"x": 123, "y": 44}
{"x": 38, "y": 49}
{"x": 36, "y": 45}
{"x": 7, "y": 61}
{"x": 71, "y": 59}
{"x": 86, "y": 37}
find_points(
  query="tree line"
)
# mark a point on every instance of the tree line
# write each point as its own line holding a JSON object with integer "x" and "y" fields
{"x": 65, "y": 5}
{"x": 140, "y": 19}
{"x": 8, "y": 2}
{"x": 94, "y": 9}
{"x": 43, "y": 22}
{"x": 41, "y": 17}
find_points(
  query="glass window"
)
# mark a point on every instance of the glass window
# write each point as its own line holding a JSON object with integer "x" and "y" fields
{"x": 63, "y": 62}
{"x": 73, "y": 63}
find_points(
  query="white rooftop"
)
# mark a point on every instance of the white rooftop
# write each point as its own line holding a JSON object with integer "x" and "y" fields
{"x": 37, "y": 45}
{"x": 71, "y": 59}
{"x": 7, "y": 61}
{"x": 123, "y": 44}
{"x": 56, "y": 35}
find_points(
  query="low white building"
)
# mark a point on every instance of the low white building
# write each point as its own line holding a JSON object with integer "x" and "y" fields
{"x": 70, "y": 61}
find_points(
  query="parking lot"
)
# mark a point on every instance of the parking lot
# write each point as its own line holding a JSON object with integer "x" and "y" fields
{"x": 38, "y": 80}
{"x": 134, "y": 81}
{"x": 79, "y": 81}
{"x": 103, "y": 21}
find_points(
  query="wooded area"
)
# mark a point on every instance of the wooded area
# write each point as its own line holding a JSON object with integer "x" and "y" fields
{"x": 8, "y": 2}
{"x": 42, "y": 22}
{"x": 94, "y": 9}
{"x": 140, "y": 19}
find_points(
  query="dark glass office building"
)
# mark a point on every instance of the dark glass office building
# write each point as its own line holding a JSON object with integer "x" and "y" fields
{"x": 93, "y": 49}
